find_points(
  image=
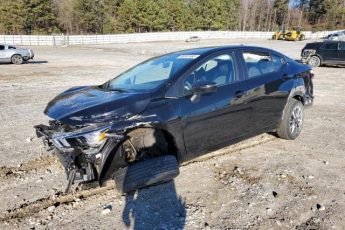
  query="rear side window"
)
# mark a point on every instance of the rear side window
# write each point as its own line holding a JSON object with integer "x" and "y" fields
{"x": 342, "y": 46}
{"x": 11, "y": 47}
{"x": 2, "y": 47}
{"x": 261, "y": 63}
{"x": 330, "y": 46}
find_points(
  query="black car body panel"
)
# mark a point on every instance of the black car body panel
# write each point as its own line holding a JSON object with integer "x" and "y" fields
{"x": 88, "y": 105}
{"x": 192, "y": 123}
{"x": 329, "y": 52}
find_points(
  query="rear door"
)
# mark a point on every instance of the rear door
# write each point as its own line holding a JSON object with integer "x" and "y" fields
{"x": 266, "y": 73}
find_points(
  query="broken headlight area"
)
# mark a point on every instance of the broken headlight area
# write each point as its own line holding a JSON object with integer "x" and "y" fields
{"x": 79, "y": 148}
{"x": 88, "y": 138}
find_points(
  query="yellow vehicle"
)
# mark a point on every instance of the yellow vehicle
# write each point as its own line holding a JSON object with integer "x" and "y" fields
{"x": 291, "y": 35}
{"x": 278, "y": 35}
{"x": 295, "y": 35}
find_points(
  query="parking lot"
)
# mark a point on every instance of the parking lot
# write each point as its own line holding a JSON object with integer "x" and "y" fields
{"x": 261, "y": 183}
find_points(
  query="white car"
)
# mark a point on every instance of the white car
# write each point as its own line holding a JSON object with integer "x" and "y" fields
{"x": 336, "y": 36}
{"x": 11, "y": 54}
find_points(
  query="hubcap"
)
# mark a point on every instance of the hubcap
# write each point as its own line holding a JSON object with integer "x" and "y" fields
{"x": 313, "y": 62}
{"x": 16, "y": 59}
{"x": 296, "y": 120}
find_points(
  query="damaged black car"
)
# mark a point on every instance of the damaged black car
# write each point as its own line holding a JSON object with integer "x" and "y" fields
{"x": 138, "y": 127}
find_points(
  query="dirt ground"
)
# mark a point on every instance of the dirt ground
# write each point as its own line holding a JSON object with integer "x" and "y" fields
{"x": 261, "y": 183}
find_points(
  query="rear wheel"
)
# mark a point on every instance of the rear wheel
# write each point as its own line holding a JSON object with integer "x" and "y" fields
{"x": 17, "y": 59}
{"x": 274, "y": 37}
{"x": 292, "y": 120}
{"x": 301, "y": 37}
{"x": 145, "y": 173}
{"x": 314, "y": 61}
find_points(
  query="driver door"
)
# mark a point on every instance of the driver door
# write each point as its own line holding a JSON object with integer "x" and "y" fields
{"x": 211, "y": 120}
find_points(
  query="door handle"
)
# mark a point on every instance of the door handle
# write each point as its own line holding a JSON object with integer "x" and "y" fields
{"x": 239, "y": 94}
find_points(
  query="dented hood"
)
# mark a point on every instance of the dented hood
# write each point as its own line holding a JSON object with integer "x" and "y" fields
{"x": 91, "y": 104}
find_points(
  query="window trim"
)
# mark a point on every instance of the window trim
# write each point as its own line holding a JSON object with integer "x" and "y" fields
{"x": 230, "y": 52}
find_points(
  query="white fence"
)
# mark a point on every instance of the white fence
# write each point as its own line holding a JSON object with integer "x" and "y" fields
{"x": 65, "y": 40}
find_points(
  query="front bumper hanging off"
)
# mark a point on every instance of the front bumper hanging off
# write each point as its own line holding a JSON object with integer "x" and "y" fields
{"x": 82, "y": 164}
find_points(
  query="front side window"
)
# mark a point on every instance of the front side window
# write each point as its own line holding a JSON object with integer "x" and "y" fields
{"x": 2, "y": 47}
{"x": 330, "y": 46}
{"x": 150, "y": 74}
{"x": 260, "y": 63}
{"x": 219, "y": 70}
{"x": 11, "y": 48}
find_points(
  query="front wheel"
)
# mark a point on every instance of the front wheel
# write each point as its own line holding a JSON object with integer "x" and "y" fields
{"x": 314, "y": 61}
{"x": 17, "y": 59}
{"x": 145, "y": 173}
{"x": 292, "y": 120}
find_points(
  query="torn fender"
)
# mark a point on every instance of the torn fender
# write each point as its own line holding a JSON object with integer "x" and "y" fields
{"x": 112, "y": 154}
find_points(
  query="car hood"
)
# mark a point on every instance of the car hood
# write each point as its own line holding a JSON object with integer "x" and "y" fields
{"x": 92, "y": 104}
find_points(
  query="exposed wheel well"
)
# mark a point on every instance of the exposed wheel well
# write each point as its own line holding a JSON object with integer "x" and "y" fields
{"x": 155, "y": 141}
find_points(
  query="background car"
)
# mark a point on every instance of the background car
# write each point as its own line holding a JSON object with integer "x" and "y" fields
{"x": 138, "y": 127}
{"x": 324, "y": 53}
{"x": 193, "y": 39}
{"x": 336, "y": 36}
{"x": 11, "y": 54}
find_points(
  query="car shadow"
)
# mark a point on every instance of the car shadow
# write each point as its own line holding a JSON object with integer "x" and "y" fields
{"x": 156, "y": 207}
{"x": 27, "y": 63}
{"x": 35, "y": 62}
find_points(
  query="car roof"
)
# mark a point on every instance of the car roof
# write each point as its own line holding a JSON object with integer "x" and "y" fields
{"x": 209, "y": 50}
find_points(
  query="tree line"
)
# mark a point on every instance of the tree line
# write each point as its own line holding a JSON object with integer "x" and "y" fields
{"x": 128, "y": 16}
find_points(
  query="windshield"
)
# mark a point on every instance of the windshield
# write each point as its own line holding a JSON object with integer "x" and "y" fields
{"x": 151, "y": 74}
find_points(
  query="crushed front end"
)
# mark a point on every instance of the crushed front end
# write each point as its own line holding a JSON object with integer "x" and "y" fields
{"x": 306, "y": 54}
{"x": 82, "y": 150}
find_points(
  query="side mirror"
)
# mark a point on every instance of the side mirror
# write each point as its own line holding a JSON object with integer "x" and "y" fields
{"x": 204, "y": 87}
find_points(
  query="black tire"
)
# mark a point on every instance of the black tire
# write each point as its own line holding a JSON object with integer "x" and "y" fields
{"x": 144, "y": 173}
{"x": 314, "y": 61}
{"x": 17, "y": 59}
{"x": 292, "y": 120}
{"x": 274, "y": 37}
{"x": 301, "y": 37}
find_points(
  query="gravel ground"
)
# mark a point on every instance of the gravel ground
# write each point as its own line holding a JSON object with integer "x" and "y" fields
{"x": 261, "y": 183}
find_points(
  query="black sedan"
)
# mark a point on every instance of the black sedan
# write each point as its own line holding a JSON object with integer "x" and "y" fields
{"x": 324, "y": 53}
{"x": 138, "y": 127}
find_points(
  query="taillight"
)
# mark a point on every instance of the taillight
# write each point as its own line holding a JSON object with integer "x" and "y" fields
{"x": 311, "y": 73}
